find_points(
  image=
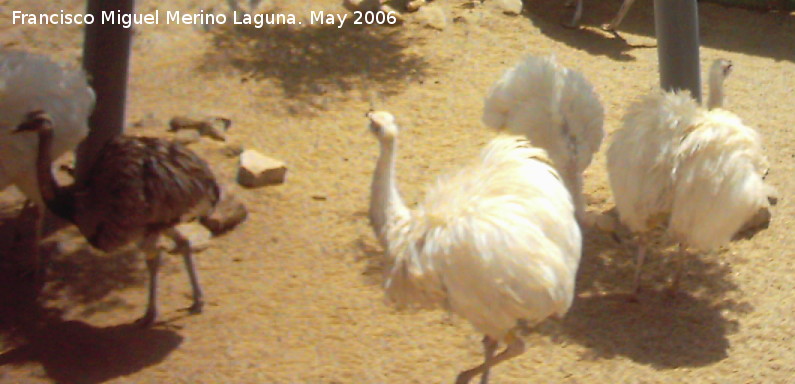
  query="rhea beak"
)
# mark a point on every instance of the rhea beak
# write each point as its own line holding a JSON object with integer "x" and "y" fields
{"x": 33, "y": 122}
{"x": 27, "y": 126}
{"x": 371, "y": 126}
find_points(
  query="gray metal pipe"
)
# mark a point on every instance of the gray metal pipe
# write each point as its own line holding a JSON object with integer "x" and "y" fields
{"x": 676, "y": 27}
{"x": 106, "y": 57}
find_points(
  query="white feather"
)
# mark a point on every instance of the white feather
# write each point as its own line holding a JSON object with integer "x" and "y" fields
{"x": 30, "y": 82}
{"x": 718, "y": 180}
{"x": 696, "y": 171}
{"x": 495, "y": 243}
{"x": 556, "y": 109}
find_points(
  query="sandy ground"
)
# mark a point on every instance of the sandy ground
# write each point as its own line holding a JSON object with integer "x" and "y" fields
{"x": 294, "y": 293}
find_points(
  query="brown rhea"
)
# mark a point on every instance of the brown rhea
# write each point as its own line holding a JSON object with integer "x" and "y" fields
{"x": 138, "y": 189}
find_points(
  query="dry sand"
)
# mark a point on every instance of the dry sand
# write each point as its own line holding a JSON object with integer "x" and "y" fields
{"x": 293, "y": 294}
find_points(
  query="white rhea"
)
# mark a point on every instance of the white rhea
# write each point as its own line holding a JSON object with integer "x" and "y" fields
{"x": 556, "y": 109}
{"x": 30, "y": 82}
{"x": 496, "y": 243}
{"x": 696, "y": 171}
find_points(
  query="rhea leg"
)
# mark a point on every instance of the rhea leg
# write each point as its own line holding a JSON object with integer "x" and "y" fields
{"x": 489, "y": 347}
{"x": 611, "y": 27}
{"x": 190, "y": 266}
{"x": 640, "y": 258}
{"x": 514, "y": 348}
{"x": 575, "y": 20}
{"x": 153, "y": 255}
{"x": 680, "y": 266}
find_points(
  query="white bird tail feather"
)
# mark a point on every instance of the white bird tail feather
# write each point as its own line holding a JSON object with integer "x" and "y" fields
{"x": 556, "y": 109}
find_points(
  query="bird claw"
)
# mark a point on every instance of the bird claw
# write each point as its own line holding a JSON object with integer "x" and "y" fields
{"x": 196, "y": 308}
{"x": 147, "y": 320}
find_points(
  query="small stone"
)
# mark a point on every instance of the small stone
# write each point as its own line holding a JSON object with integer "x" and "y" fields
{"x": 149, "y": 120}
{"x": 197, "y": 236}
{"x": 432, "y": 17}
{"x": 231, "y": 150}
{"x": 508, "y": 7}
{"x": 217, "y": 128}
{"x": 187, "y": 136}
{"x": 398, "y": 16}
{"x": 362, "y": 5}
{"x": 415, "y": 5}
{"x": 166, "y": 244}
{"x": 228, "y": 213}
{"x": 213, "y": 126}
{"x": 257, "y": 170}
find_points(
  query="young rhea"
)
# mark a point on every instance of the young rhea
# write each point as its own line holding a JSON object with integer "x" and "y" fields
{"x": 137, "y": 188}
{"x": 697, "y": 171}
{"x": 556, "y": 109}
{"x": 29, "y": 82}
{"x": 496, "y": 243}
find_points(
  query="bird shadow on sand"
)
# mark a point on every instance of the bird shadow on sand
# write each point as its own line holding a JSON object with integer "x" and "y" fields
{"x": 548, "y": 15}
{"x": 316, "y": 64}
{"x": 688, "y": 329}
{"x": 74, "y": 352}
{"x": 369, "y": 253}
{"x": 32, "y": 326}
{"x": 753, "y": 32}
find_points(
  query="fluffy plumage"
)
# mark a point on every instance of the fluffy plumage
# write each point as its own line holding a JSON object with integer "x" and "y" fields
{"x": 30, "y": 82}
{"x": 140, "y": 185}
{"x": 556, "y": 109}
{"x": 136, "y": 189}
{"x": 496, "y": 243}
{"x": 718, "y": 181}
{"x": 698, "y": 172}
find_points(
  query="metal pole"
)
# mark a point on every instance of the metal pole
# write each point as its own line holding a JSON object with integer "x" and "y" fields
{"x": 676, "y": 27}
{"x": 106, "y": 57}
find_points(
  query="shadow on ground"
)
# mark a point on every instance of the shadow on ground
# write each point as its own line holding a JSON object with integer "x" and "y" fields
{"x": 310, "y": 61}
{"x": 759, "y": 33}
{"x": 664, "y": 331}
{"x": 76, "y": 352}
{"x": 32, "y": 330}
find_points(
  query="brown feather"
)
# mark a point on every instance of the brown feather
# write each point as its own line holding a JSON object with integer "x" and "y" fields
{"x": 140, "y": 185}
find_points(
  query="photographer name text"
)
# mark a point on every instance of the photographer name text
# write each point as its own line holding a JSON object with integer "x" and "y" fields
{"x": 128, "y": 20}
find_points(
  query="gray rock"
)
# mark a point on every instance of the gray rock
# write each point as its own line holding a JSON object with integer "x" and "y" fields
{"x": 228, "y": 213}
{"x": 212, "y": 126}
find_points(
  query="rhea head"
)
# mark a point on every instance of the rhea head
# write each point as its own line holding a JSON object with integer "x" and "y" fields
{"x": 722, "y": 67}
{"x": 382, "y": 125}
{"x": 35, "y": 121}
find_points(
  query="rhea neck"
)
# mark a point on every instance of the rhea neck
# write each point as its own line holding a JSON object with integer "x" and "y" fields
{"x": 385, "y": 201}
{"x": 716, "y": 78}
{"x": 55, "y": 197}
